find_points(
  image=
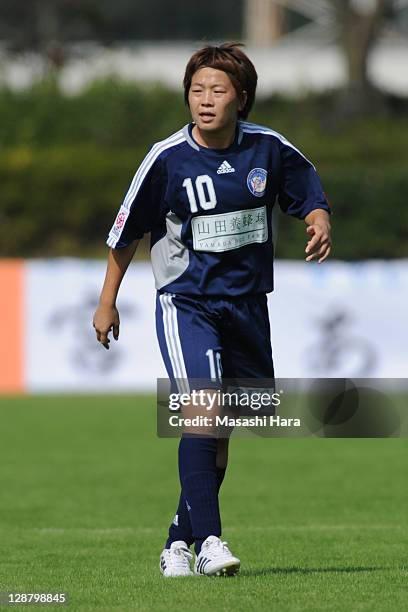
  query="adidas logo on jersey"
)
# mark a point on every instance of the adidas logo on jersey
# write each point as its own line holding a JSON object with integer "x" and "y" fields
{"x": 225, "y": 167}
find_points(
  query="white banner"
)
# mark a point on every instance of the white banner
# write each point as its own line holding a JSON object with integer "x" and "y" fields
{"x": 340, "y": 319}
{"x": 336, "y": 319}
{"x": 62, "y": 353}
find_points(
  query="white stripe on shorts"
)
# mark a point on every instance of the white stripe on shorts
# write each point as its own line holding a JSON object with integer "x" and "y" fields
{"x": 171, "y": 334}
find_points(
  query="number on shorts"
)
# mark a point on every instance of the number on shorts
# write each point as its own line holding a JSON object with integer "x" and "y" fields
{"x": 214, "y": 358}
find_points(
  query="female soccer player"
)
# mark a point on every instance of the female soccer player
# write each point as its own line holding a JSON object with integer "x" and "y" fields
{"x": 206, "y": 194}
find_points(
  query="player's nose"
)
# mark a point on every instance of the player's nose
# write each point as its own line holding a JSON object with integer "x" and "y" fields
{"x": 207, "y": 99}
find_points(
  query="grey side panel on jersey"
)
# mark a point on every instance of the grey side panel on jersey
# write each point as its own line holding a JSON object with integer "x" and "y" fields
{"x": 169, "y": 256}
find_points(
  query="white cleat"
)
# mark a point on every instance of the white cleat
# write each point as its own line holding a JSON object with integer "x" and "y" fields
{"x": 216, "y": 559}
{"x": 175, "y": 561}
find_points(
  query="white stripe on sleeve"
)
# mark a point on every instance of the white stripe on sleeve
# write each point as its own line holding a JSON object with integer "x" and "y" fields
{"x": 116, "y": 230}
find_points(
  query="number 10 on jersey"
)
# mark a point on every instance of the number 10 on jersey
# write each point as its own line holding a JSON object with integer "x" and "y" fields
{"x": 204, "y": 189}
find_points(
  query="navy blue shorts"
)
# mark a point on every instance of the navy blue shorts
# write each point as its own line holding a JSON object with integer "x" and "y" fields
{"x": 214, "y": 339}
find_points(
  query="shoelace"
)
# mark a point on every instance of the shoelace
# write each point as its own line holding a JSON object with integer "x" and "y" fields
{"x": 218, "y": 549}
{"x": 181, "y": 557}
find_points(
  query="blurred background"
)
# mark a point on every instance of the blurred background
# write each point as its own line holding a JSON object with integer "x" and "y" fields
{"x": 86, "y": 86}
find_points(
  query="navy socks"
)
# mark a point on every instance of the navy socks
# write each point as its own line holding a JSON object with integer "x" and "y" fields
{"x": 198, "y": 514}
{"x": 180, "y": 529}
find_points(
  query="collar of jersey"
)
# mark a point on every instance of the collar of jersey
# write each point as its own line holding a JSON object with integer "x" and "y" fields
{"x": 187, "y": 132}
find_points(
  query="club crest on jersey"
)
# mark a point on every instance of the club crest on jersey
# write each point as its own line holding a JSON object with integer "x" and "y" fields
{"x": 256, "y": 182}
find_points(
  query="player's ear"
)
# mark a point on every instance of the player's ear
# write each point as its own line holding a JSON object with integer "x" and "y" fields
{"x": 243, "y": 100}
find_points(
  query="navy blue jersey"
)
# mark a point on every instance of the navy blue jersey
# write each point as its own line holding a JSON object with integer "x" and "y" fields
{"x": 209, "y": 211}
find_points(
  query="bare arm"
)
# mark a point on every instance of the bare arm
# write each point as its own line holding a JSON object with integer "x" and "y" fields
{"x": 106, "y": 317}
{"x": 319, "y": 228}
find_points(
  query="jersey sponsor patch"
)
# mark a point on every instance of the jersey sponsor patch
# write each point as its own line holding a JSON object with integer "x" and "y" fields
{"x": 228, "y": 231}
{"x": 256, "y": 181}
{"x": 120, "y": 221}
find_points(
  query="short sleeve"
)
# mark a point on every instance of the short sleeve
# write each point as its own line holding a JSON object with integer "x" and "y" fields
{"x": 142, "y": 207}
{"x": 300, "y": 189}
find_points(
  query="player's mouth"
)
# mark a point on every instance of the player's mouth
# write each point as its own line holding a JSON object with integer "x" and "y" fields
{"x": 207, "y": 116}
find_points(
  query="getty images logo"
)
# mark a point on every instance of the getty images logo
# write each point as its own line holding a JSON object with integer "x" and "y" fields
{"x": 225, "y": 168}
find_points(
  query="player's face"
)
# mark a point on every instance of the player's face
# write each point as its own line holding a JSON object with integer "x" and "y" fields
{"x": 213, "y": 101}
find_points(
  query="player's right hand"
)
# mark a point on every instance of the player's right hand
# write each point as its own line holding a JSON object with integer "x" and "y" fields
{"x": 106, "y": 319}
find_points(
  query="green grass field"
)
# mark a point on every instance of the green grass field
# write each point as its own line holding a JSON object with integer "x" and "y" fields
{"x": 88, "y": 490}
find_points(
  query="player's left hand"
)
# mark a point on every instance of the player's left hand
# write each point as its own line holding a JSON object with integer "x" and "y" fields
{"x": 319, "y": 245}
